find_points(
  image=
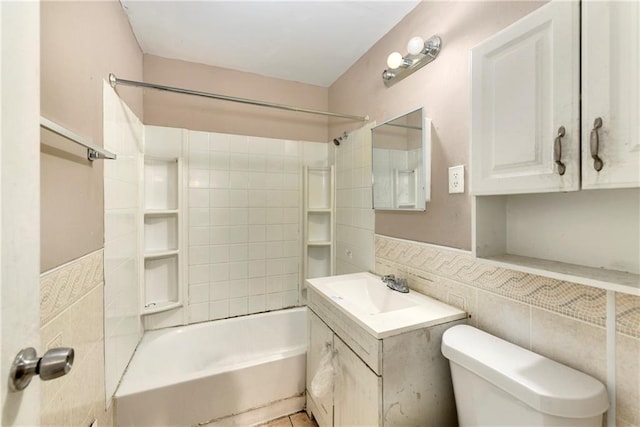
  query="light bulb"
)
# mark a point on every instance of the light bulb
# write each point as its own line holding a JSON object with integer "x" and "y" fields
{"x": 394, "y": 60}
{"x": 415, "y": 45}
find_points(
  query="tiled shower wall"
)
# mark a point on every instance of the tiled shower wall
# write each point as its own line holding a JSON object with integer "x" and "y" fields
{"x": 354, "y": 214}
{"x": 244, "y": 222}
{"x": 561, "y": 320}
{"x": 123, "y": 133}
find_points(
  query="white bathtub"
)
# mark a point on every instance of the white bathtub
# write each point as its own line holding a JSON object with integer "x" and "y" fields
{"x": 239, "y": 371}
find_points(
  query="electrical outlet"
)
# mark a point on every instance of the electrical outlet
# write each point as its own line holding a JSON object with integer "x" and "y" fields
{"x": 456, "y": 179}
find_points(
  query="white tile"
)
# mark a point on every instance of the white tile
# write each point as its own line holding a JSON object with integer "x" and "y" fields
{"x": 275, "y": 267}
{"x": 198, "y": 217}
{"x": 219, "y": 161}
{"x": 219, "y": 254}
{"x": 238, "y": 179}
{"x": 291, "y": 148}
{"x": 290, "y": 282}
{"x": 291, "y": 248}
{"x": 257, "y": 233}
{"x": 219, "y": 291}
{"x": 238, "y": 306}
{"x": 274, "y": 284}
{"x": 218, "y": 309}
{"x": 275, "y": 249}
{"x": 290, "y": 198}
{"x": 257, "y": 162}
{"x": 219, "y": 142}
{"x": 238, "y": 270}
{"x": 219, "y": 198}
{"x": 290, "y": 298}
{"x": 198, "y": 255}
{"x": 315, "y": 154}
{"x": 219, "y": 179}
{"x": 274, "y": 215}
{"x": 257, "y": 180}
{"x": 198, "y": 236}
{"x": 257, "y": 304}
{"x": 274, "y": 301}
{"x": 291, "y": 181}
{"x": 238, "y": 253}
{"x": 238, "y": 288}
{"x": 198, "y": 178}
{"x": 198, "y": 293}
{"x": 290, "y": 215}
{"x": 274, "y": 233}
{"x": 198, "y": 141}
{"x": 275, "y": 198}
{"x": 238, "y": 234}
{"x": 198, "y": 274}
{"x": 219, "y": 235}
{"x": 238, "y": 198}
{"x": 257, "y": 145}
{"x": 256, "y": 286}
{"x": 198, "y": 312}
{"x": 199, "y": 160}
{"x": 291, "y": 165}
{"x": 257, "y": 216}
{"x": 238, "y": 161}
{"x": 257, "y": 268}
{"x": 275, "y": 147}
{"x": 198, "y": 198}
{"x": 238, "y": 216}
{"x": 275, "y": 180}
{"x": 256, "y": 251}
{"x": 219, "y": 272}
{"x": 219, "y": 216}
{"x": 238, "y": 144}
{"x": 275, "y": 163}
{"x": 290, "y": 231}
{"x": 290, "y": 266}
{"x": 257, "y": 198}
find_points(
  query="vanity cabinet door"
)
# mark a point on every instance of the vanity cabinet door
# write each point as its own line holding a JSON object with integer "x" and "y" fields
{"x": 611, "y": 93}
{"x": 358, "y": 390}
{"x": 524, "y": 89}
{"x": 320, "y": 341}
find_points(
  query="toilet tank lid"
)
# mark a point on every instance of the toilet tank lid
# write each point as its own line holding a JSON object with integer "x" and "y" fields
{"x": 545, "y": 385}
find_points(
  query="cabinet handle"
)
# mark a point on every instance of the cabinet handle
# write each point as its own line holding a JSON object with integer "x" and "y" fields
{"x": 557, "y": 151}
{"x": 594, "y": 143}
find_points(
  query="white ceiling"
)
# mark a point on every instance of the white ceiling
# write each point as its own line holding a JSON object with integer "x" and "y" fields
{"x": 312, "y": 42}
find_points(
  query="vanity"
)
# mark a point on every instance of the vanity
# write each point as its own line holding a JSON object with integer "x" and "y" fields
{"x": 381, "y": 349}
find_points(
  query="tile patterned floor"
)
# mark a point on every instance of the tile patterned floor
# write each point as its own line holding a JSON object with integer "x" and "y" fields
{"x": 299, "y": 419}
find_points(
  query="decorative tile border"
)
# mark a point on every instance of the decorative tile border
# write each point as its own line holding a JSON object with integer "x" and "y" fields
{"x": 570, "y": 299}
{"x": 64, "y": 285}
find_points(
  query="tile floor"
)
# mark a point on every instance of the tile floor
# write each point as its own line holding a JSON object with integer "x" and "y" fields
{"x": 299, "y": 419}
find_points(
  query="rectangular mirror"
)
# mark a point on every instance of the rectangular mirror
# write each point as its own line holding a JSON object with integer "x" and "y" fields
{"x": 401, "y": 162}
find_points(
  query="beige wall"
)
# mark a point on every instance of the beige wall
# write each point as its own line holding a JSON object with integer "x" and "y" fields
{"x": 442, "y": 88}
{"x": 81, "y": 43}
{"x": 167, "y": 109}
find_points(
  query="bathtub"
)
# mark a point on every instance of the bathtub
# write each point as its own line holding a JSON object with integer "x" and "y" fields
{"x": 239, "y": 371}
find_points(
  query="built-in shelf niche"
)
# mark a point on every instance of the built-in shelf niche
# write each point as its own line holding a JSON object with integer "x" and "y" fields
{"x": 162, "y": 247}
{"x": 589, "y": 237}
{"x": 319, "y": 195}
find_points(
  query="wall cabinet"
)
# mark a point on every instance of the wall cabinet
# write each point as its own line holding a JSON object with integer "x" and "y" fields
{"x": 398, "y": 380}
{"x": 525, "y": 131}
{"x": 528, "y": 135}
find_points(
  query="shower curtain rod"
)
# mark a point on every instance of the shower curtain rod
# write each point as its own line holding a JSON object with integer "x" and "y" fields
{"x": 114, "y": 81}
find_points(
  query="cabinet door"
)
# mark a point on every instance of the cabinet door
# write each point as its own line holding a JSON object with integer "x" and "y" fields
{"x": 524, "y": 87}
{"x": 358, "y": 390}
{"x": 320, "y": 338}
{"x": 611, "y": 92}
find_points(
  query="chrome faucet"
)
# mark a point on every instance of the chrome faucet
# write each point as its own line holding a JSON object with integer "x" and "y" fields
{"x": 399, "y": 285}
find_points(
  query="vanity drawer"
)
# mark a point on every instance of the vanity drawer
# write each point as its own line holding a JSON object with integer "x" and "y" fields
{"x": 367, "y": 347}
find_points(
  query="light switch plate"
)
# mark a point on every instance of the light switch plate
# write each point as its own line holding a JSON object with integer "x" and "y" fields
{"x": 456, "y": 179}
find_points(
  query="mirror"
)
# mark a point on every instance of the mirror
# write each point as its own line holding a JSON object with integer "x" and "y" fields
{"x": 401, "y": 162}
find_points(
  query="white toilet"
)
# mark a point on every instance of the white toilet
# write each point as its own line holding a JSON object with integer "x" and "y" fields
{"x": 497, "y": 383}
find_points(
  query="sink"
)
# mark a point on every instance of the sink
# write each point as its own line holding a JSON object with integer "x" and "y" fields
{"x": 383, "y": 312}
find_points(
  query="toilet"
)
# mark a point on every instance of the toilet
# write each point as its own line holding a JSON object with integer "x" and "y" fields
{"x": 497, "y": 383}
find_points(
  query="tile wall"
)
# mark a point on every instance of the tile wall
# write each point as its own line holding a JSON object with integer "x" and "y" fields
{"x": 244, "y": 206}
{"x": 355, "y": 217}
{"x": 71, "y": 307}
{"x": 123, "y": 133}
{"x": 561, "y": 320}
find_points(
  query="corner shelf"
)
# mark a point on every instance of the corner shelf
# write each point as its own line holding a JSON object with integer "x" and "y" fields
{"x": 319, "y": 196}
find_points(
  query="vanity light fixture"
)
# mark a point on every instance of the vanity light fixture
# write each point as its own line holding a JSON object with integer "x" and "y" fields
{"x": 421, "y": 52}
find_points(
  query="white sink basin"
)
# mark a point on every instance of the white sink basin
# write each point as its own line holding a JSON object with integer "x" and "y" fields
{"x": 381, "y": 311}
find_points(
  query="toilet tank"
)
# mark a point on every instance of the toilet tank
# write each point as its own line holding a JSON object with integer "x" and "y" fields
{"x": 499, "y": 383}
